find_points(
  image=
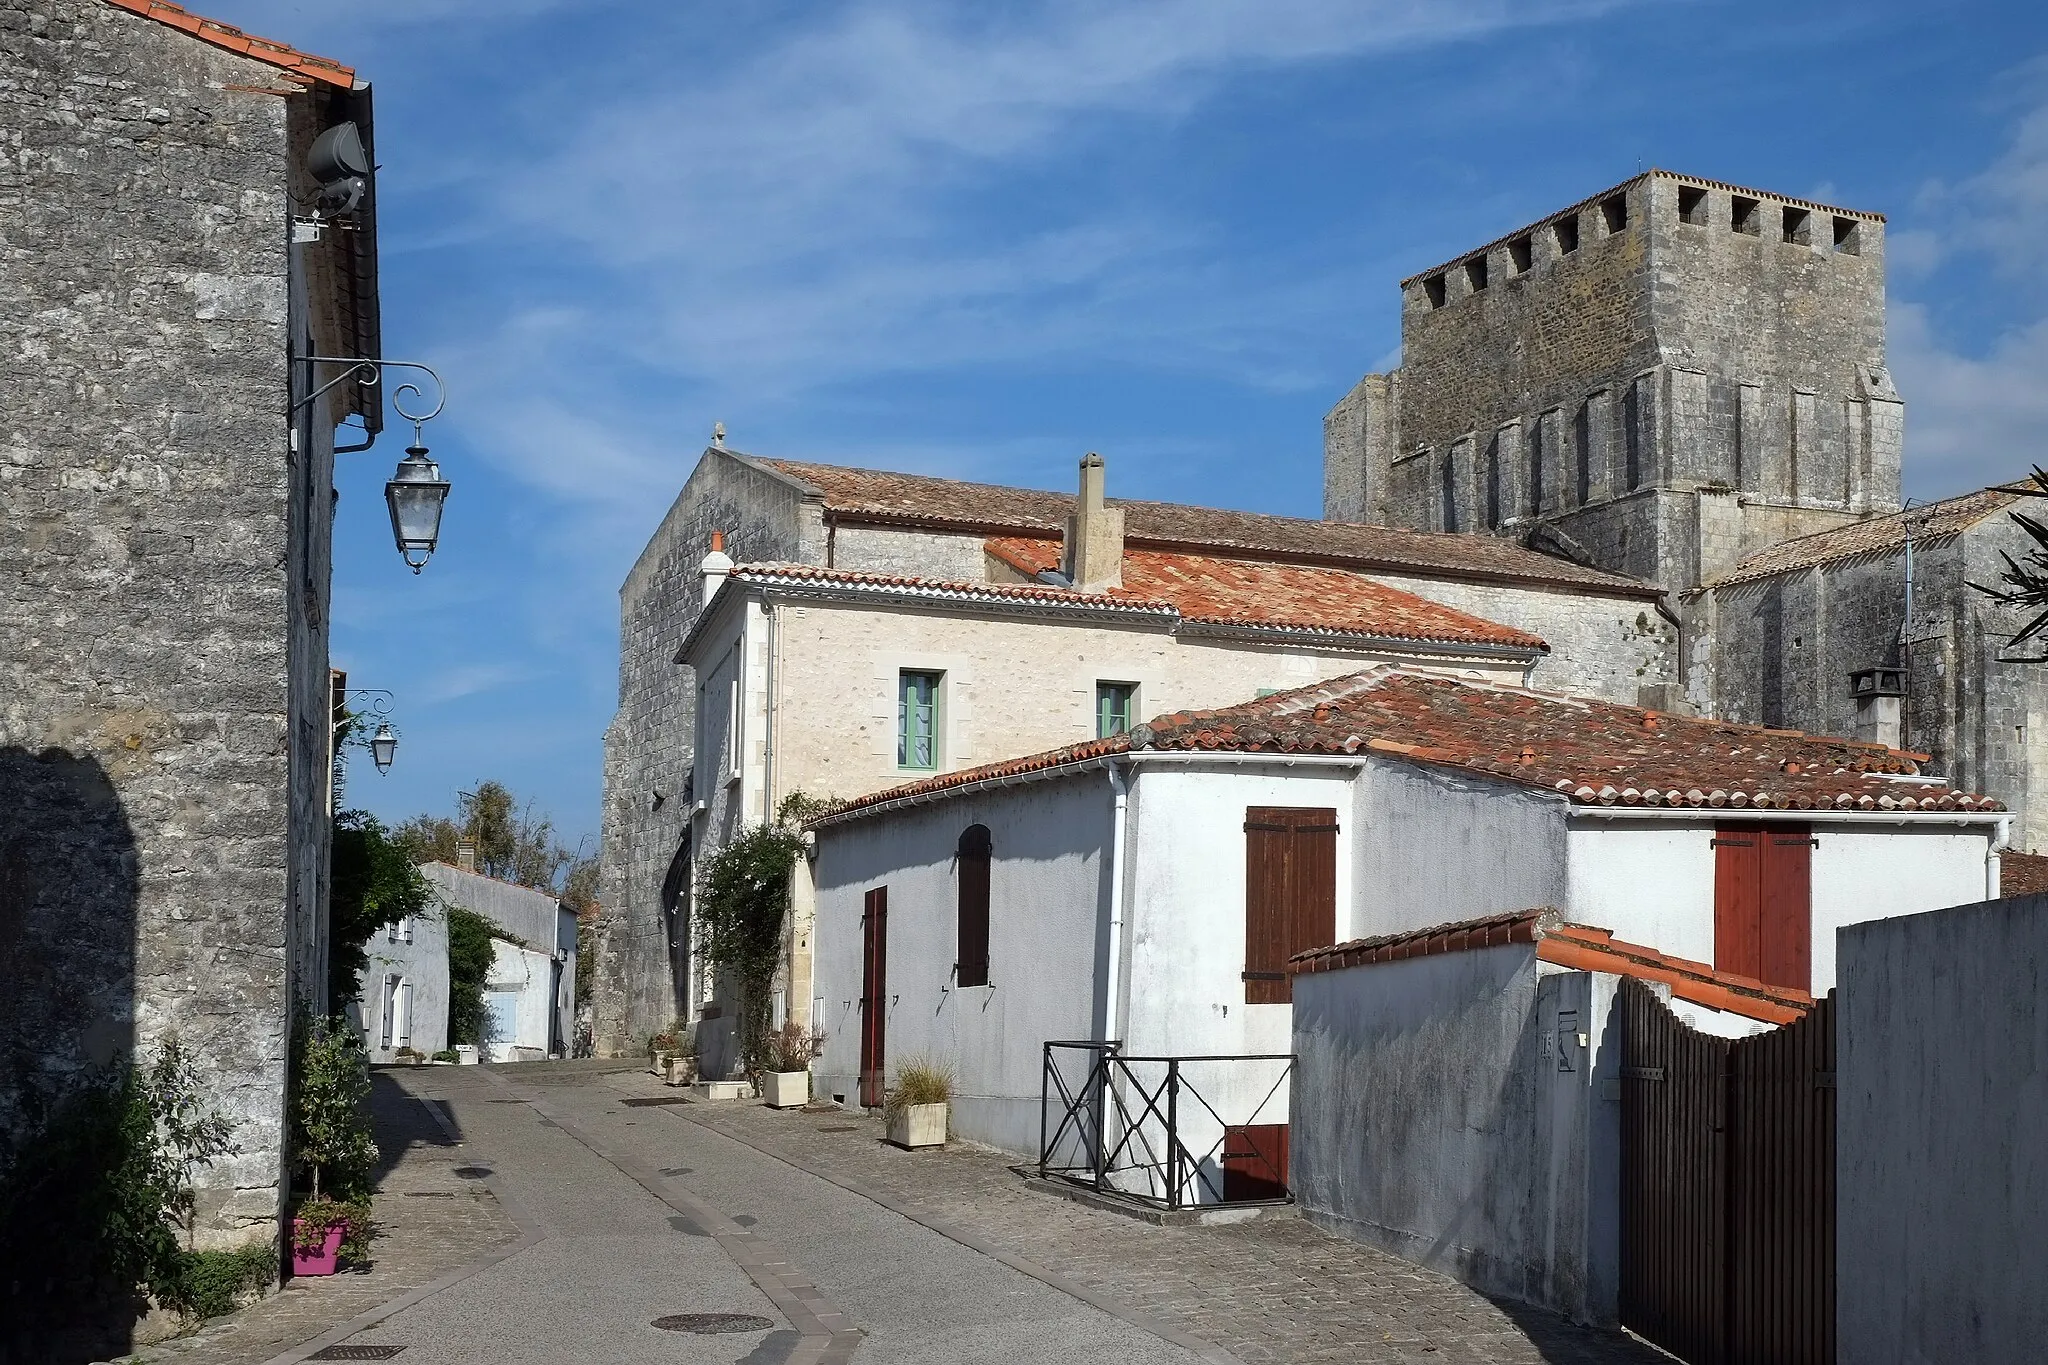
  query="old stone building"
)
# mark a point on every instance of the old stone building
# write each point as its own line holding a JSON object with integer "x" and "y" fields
{"x": 1684, "y": 381}
{"x": 869, "y": 574}
{"x": 1658, "y": 380}
{"x": 165, "y": 513}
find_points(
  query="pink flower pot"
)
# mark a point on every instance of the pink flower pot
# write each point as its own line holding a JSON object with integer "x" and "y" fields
{"x": 319, "y": 1262}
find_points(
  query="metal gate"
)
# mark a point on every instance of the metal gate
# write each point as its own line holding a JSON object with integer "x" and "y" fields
{"x": 1728, "y": 1187}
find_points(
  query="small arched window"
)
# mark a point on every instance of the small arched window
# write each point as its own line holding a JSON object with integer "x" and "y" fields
{"x": 972, "y": 862}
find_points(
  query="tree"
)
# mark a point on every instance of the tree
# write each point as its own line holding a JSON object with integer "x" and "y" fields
{"x": 742, "y": 903}
{"x": 469, "y": 964}
{"x": 2025, "y": 581}
{"x": 512, "y": 842}
{"x": 375, "y": 883}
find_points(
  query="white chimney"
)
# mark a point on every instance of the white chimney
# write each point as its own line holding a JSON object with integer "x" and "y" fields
{"x": 465, "y": 856}
{"x": 1094, "y": 555}
{"x": 715, "y": 567}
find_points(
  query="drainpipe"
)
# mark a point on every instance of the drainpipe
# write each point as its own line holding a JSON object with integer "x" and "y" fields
{"x": 769, "y": 614}
{"x": 2001, "y": 839}
{"x": 1112, "y": 1012}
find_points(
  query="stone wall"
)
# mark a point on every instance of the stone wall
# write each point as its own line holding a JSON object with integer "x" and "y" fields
{"x": 642, "y": 948}
{"x": 163, "y": 552}
{"x": 1782, "y": 649}
{"x": 1671, "y": 335}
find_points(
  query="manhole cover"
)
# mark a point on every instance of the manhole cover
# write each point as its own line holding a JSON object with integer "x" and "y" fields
{"x": 472, "y": 1172}
{"x": 712, "y": 1322}
{"x": 643, "y": 1101}
{"x": 839, "y": 1128}
{"x": 356, "y": 1353}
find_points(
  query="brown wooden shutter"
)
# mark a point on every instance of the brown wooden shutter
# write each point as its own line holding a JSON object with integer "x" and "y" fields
{"x": 1290, "y": 894}
{"x": 1738, "y": 887}
{"x": 971, "y": 967}
{"x": 1786, "y": 906}
{"x": 1763, "y": 902}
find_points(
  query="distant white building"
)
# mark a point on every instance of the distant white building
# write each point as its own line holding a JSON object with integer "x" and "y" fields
{"x": 530, "y": 992}
{"x": 1150, "y": 887}
{"x": 403, "y": 992}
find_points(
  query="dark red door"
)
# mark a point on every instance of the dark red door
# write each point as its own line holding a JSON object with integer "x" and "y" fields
{"x": 874, "y": 1009}
{"x": 1763, "y": 902}
{"x": 1255, "y": 1161}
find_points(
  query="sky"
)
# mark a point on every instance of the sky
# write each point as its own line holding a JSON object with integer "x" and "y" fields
{"x": 979, "y": 240}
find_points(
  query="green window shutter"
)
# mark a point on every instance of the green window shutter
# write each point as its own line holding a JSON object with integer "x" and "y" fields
{"x": 917, "y": 717}
{"x": 1113, "y": 708}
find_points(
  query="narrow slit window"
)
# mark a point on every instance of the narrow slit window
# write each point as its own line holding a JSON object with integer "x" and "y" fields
{"x": 970, "y": 968}
{"x": 1846, "y": 236}
{"x": 1434, "y": 287}
{"x": 1475, "y": 273}
{"x": 1521, "y": 255}
{"x": 1614, "y": 213}
{"x": 1692, "y": 205}
{"x": 1113, "y": 705}
{"x": 1746, "y": 215}
{"x": 1798, "y": 227}
{"x": 1566, "y": 231}
{"x": 917, "y": 720}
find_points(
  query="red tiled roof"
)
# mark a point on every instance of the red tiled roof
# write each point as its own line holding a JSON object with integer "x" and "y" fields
{"x": 1879, "y": 535}
{"x": 877, "y": 496}
{"x": 281, "y": 55}
{"x": 1576, "y": 946}
{"x": 2022, "y": 874}
{"x": 1200, "y": 590}
{"x": 1593, "y": 753}
{"x": 1218, "y": 591}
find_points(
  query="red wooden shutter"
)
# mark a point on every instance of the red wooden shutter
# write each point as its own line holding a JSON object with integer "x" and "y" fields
{"x": 1255, "y": 1161}
{"x": 1738, "y": 887}
{"x": 1786, "y": 907}
{"x": 874, "y": 986}
{"x": 971, "y": 968}
{"x": 1290, "y": 894}
{"x": 1763, "y": 902}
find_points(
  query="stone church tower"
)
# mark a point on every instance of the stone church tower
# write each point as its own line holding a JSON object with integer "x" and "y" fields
{"x": 1658, "y": 381}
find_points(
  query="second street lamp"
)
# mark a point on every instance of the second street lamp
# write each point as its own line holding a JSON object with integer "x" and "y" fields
{"x": 383, "y": 747}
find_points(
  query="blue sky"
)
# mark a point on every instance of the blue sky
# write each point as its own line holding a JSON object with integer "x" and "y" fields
{"x": 980, "y": 239}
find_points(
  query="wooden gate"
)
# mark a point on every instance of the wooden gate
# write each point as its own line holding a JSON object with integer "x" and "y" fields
{"x": 1728, "y": 1187}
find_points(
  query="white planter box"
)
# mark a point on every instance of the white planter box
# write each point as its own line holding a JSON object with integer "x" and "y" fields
{"x": 918, "y": 1125}
{"x": 721, "y": 1090}
{"x": 465, "y": 1054}
{"x": 787, "y": 1089}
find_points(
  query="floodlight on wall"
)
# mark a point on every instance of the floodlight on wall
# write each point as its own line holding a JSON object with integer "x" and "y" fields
{"x": 415, "y": 492}
{"x": 340, "y": 166}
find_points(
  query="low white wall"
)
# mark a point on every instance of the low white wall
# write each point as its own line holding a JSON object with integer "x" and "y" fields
{"x": 1447, "y": 1112}
{"x": 1941, "y": 1107}
{"x": 1652, "y": 881}
{"x": 1047, "y": 949}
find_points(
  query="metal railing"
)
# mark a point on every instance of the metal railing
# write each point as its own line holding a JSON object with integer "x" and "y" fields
{"x": 1170, "y": 1131}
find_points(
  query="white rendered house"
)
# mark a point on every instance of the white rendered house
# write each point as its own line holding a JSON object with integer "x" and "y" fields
{"x": 1150, "y": 887}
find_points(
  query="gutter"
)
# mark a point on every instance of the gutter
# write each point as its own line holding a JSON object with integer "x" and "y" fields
{"x": 1824, "y": 815}
{"x": 1329, "y": 636}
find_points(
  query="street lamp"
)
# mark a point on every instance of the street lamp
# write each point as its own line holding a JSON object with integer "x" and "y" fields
{"x": 383, "y": 744}
{"x": 416, "y": 492}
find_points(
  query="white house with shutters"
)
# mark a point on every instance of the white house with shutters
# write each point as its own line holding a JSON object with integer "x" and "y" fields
{"x": 1151, "y": 887}
{"x": 402, "y": 994}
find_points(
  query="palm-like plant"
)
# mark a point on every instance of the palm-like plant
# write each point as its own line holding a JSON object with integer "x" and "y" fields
{"x": 2024, "y": 584}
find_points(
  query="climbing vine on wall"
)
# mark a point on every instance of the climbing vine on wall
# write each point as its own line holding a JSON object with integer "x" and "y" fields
{"x": 742, "y": 903}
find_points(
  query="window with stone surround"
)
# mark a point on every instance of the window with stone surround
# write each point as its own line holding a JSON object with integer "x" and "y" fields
{"x": 1434, "y": 288}
{"x": 1521, "y": 255}
{"x": 1692, "y": 205}
{"x": 1797, "y": 227}
{"x": 1114, "y": 702}
{"x": 1614, "y": 213}
{"x": 1475, "y": 273}
{"x": 1566, "y": 231}
{"x": 1746, "y": 215}
{"x": 1847, "y": 236}
{"x": 917, "y": 719}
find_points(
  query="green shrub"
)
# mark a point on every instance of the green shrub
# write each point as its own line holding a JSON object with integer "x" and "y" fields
{"x": 447, "y": 1054}
{"x": 209, "y": 1283}
{"x": 330, "y": 1120}
{"x": 469, "y": 964}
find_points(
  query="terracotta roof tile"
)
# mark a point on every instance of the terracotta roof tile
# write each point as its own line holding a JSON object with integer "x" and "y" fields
{"x": 2022, "y": 874}
{"x": 1575, "y": 946}
{"x": 281, "y": 55}
{"x": 1212, "y": 590}
{"x": 1592, "y": 753}
{"x": 872, "y": 495}
{"x": 1879, "y": 535}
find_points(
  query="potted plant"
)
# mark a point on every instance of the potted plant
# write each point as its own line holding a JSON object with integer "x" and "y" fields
{"x": 331, "y": 1136}
{"x": 790, "y": 1049}
{"x": 408, "y": 1056}
{"x": 917, "y": 1108}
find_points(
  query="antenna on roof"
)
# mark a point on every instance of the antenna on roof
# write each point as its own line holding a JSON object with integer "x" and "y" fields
{"x": 718, "y": 436}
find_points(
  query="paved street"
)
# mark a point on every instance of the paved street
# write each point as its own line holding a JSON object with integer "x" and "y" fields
{"x": 824, "y": 1244}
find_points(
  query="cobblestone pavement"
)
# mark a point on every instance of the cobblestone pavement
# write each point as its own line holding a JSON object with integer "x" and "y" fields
{"x": 1274, "y": 1290}
{"x": 431, "y": 1222}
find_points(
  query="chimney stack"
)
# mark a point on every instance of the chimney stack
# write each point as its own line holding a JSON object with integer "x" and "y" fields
{"x": 465, "y": 856}
{"x": 1094, "y": 558}
{"x": 715, "y": 567}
